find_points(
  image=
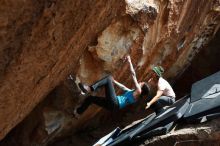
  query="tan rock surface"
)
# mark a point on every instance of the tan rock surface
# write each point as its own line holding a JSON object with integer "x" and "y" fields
{"x": 199, "y": 134}
{"x": 41, "y": 42}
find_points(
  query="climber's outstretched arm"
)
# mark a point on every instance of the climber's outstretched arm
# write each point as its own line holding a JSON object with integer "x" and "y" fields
{"x": 133, "y": 74}
{"x": 121, "y": 86}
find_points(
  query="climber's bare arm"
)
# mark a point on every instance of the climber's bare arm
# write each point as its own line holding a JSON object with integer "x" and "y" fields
{"x": 121, "y": 86}
{"x": 134, "y": 78}
{"x": 155, "y": 98}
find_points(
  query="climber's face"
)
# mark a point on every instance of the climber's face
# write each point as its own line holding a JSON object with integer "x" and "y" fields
{"x": 153, "y": 77}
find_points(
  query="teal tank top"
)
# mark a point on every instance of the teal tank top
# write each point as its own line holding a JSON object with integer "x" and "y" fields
{"x": 126, "y": 99}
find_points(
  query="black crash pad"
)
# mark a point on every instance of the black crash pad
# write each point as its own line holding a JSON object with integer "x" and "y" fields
{"x": 205, "y": 99}
{"x": 206, "y": 88}
{"x": 154, "y": 124}
{"x": 108, "y": 138}
{"x": 156, "y": 132}
{"x": 171, "y": 114}
{"x": 123, "y": 137}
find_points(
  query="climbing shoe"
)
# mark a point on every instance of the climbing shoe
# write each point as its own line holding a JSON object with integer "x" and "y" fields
{"x": 75, "y": 114}
{"x": 84, "y": 88}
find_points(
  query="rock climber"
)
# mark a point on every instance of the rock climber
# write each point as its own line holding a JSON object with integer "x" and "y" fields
{"x": 165, "y": 95}
{"x": 111, "y": 101}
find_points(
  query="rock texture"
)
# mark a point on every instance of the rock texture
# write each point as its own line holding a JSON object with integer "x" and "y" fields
{"x": 200, "y": 134}
{"x": 42, "y": 42}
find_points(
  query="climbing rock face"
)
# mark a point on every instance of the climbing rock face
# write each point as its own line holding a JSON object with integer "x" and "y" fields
{"x": 144, "y": 12}
{"x": 115, "y": 42}
{"x": 42, "y": 42}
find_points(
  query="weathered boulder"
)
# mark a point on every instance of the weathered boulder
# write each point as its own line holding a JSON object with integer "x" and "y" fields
{"x": 199, "y": 134}
{"x": 41, "y": 42}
